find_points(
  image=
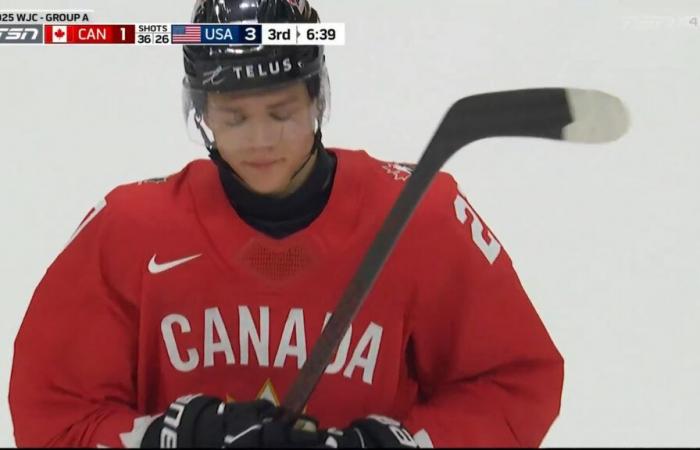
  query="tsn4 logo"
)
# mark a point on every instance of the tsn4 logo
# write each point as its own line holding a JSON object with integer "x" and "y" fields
{"x": 24, "y": 34}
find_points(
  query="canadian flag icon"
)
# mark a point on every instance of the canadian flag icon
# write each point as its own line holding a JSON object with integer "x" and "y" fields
{"x": 59, "y": 34}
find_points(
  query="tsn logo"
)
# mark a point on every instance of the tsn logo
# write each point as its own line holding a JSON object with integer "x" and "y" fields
{"x": 21, "y": 33}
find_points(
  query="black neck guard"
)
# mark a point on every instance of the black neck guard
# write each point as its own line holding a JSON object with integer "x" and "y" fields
{"x": 280, "y": 217}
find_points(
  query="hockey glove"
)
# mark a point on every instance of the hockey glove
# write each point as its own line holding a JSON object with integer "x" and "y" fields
{"x": 373, "y": 432}
{"x": 199, "y": 421}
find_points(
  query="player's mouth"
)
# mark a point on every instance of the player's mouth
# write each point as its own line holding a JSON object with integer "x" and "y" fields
{"x": 262, "y": 164}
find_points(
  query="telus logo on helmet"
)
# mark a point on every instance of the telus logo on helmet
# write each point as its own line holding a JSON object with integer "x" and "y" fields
{"x": 214, "y": 77}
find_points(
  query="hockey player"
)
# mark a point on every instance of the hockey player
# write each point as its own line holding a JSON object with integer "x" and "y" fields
{"x": 183, "y": 307}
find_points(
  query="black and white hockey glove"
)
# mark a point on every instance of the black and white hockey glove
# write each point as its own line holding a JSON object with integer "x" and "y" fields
{"x": 372, "y": 432}
{"x": 199, "y": 421}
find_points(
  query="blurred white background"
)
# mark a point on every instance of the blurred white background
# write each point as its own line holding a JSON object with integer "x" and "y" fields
{"x": 604, "y": 237}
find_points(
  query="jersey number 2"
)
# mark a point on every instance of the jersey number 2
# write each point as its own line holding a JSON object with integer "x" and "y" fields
{"x": 490, "y": 249}
{"x": 91, "y": 215}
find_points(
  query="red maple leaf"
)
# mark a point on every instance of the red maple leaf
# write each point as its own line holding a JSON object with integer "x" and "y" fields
{"x": 59, "y": 33}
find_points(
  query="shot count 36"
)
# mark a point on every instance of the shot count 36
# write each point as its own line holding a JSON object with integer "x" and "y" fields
{"x": 195, "y": 34}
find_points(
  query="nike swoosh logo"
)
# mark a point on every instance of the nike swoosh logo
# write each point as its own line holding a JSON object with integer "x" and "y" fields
{"x": 154, "y": 267}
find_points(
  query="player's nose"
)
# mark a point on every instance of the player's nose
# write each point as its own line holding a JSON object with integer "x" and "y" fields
{"x": 263, "y": 134}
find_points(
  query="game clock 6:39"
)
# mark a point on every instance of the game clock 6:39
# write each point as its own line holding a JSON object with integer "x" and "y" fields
{"x": 324, "y": 34}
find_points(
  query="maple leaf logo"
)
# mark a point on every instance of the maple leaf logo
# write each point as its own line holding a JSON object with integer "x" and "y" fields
{"x": 400, "y": 172}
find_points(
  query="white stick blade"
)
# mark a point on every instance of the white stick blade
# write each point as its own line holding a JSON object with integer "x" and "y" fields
{"x": 598, "y": 117}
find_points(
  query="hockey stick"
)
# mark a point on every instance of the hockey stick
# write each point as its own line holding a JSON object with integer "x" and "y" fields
{"x": 574, "y": 115}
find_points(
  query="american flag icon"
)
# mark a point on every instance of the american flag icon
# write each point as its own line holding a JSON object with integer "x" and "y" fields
{"x": 187, "y": 34}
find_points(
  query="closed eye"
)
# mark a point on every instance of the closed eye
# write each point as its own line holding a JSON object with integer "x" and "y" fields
{"x": 284, "y": 113}
{"x": 282, "y": 116}
{"x": 235, "y": 121}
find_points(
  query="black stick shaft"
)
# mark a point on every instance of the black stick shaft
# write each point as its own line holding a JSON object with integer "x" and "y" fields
{"x": 360, "y": 285}
{"x": 532, "y": 112}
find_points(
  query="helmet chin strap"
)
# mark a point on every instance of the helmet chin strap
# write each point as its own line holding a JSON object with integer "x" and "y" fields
{"x": 314, "y": 148}
{"x": 216, "y": 156}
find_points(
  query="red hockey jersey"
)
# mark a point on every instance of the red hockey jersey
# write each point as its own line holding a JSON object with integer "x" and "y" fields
{"x": 164, "y": 291}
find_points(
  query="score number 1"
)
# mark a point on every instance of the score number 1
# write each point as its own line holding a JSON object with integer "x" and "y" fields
{"x": 121, "y": 34}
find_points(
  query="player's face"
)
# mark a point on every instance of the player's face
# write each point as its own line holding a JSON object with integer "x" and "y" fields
{"x": 265, "y": 137}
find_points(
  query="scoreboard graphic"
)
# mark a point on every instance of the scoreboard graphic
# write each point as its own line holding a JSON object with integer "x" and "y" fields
{"x": 75, "y": 28}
